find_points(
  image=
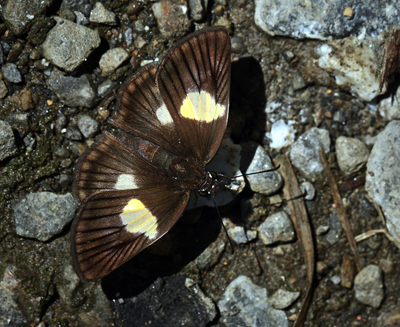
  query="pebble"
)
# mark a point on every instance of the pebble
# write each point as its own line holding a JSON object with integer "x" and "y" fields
{"x": 368, "y": 286}
{"x": 43, "y": 215}
{"x": 73, "y": 133}
{"x": 104, "y": 88}
{"x": 304, "y": 153}
{"x": 197, "y": 9}
{"x": 19, "y": 15}
{"x": 3, "y": 89}
{"x": 246, "y": 304}
{"x": 210, "y": 256}
{"x": 383, "y": 174}
{"x": 308, "y": 190}
{"x": 80, "y": 18}
{"x": 171, "y": 18}
{"x": 68, "y": 44}
{"x": 87, "y": 125}
{"x": 351, "y": 154}
{"x": 265, "y": 183}
{"x": 112, "y": 59}
{"x": 389, "y": 107}
{"x": 7, "y": 141}
{"x": 73, "y": 91}
{"x": 276, "y": 228}
{"x": 11, "y": 73}
{"x": 321, "y": 230}
{"x": 282, "y": 299}
{"x": 240, "y": 236}
{"x": 101, "y": 15}
{"x": 22, "y": 99}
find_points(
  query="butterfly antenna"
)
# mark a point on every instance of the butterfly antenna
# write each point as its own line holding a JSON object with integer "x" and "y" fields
{"x": 223, "y": 225}
{"x": 259, "y": 172}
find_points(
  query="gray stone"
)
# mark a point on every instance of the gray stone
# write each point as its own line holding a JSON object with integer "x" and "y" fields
{"x": 265, "y": 183}
{"x": 3, "y": 89}
{"x": 7, "y": 141}
{"x": 67, "y": 44}
{"x": 354, "y": 64}
{"x": 246, "y": 304}
{"x": 87, "y": 125}
{"x": 351, "y": 154}
{"x": 197, "y": 9}
{"x": 73, "y": 133}
{"x": 43, "y": 215}
{"x": 276, "y": 228}
{"x": 308, "y": 190}
{"x": 368, "y": 286}
{"x": 389, "y": 108}
{"x": 104, "y": 88}
{"x": 10, "y": 287}
{"x": 210, "y": 255}
{"x": 322, "y": 229}
{"x": 304, "y": 153}
{"x": 19, "y": 14}
{"x": 73, "y": 91}
{"x": 171, "y": 17}
{"x": 101, "y": 15}
{"x": 19, "y": 122}
{"x": 282, "y": 298}
{"x": 240, "y": 236}
{"x": 112, "y": 59}
{"x": 383, "y": 176}
{"x": 80, "y": 18}
{"x": 11, "y": 73}
{"x": 321, "y": 19}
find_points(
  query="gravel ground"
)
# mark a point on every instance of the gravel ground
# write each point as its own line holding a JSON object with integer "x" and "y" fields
{"x": 299, "y": 81}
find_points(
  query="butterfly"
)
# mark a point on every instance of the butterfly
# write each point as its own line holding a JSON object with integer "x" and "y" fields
{"x": 135, "y": 182}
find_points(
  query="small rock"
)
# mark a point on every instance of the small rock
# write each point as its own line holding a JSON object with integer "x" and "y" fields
{"x": 22, "y": 99}
{"x": 304, "y": 153}
{"x": 87, "y": 125}
{"x": 368, "y": 286}
{"x": 211, "y": 255}
{"x": 104, "y": 88}
{"x": 61, "y": 122}
{"x": 67, "y": 44}
{"x": 321, "y": 230}
{"x": 3, "y": 89}
{"x": 101, "y": 15}
{"x": 282, "y": 299}
{"x": 276, "y": 228}
{"x": 383, "y": 174}
{"x": 265, "y": 183}
{"x": 335, "y": 280}
{"x": 19, "y": 121}
{"x": 240, "y": 236}
{"x": 11, "y": 73}
{"x": 43, "y": 215}
{"x": 73, "y": 133}
{"x": 197, "y": 9}
{"x": 246, "y": 304}
{"x": 19, "y": 15}
{"x": 7, "y": 141}
{"x": 389, "y": 108}
{"x": 73, "y": 91}
{"x": 65, "y": 180}
{"x": 282, "y": 134}
{"x": 80, "y": 18}
{"x": 308, "y": 190}
{"x": 112, "y": 59}
{"x": 171, "y": 17}
{"x": 351, "y": 154}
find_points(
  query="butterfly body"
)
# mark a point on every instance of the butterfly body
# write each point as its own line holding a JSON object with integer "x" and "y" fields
{"x": 135, "y": 182}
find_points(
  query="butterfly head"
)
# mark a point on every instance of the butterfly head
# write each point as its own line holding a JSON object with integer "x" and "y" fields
{"x": 212, "y": 183}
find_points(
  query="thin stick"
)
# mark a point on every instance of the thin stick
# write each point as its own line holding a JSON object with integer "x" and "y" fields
{"x": 341, "y": 210}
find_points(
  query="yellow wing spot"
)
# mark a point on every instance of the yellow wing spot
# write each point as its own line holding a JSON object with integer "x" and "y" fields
{"x": 138, "y": 219}
{"x": 201, "y": 106}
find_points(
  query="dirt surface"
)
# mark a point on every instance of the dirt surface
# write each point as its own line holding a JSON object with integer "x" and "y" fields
{"x": 261, "y": 74}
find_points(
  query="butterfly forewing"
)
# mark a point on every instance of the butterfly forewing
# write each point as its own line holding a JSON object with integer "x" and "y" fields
{"x": 135, "y": 183}
{"x": 194, "y": 81}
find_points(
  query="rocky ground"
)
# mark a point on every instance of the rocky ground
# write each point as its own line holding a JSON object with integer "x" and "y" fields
{"x": 304, "y": 76}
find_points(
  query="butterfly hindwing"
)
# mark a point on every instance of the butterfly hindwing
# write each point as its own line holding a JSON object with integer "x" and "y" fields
{"x": 113, "y": 226}
{"x": 194, "y": 82}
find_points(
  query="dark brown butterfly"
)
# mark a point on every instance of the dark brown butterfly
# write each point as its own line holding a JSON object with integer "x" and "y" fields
{"x": 135, "y": 183}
